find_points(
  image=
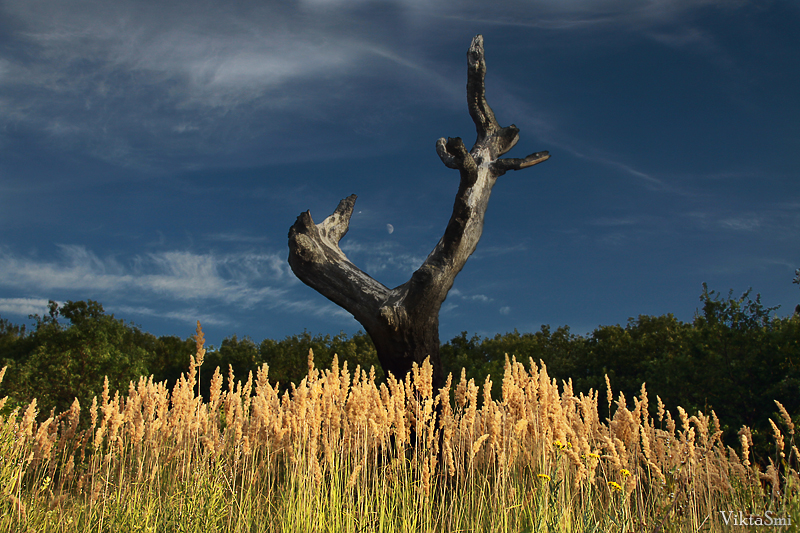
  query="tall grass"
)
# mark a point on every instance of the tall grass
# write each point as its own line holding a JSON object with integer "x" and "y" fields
{"x": 336, "y": 454}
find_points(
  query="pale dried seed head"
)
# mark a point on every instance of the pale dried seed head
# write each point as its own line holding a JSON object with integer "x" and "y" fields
{"x": 717, "y": 436}
{"x": 231, "y": 383}
{"x": 311, "y": 373}
{"x": 784, "y": 414}
{"x": 774, "y": 479}
{"x": 115, "y": 422}
{"x": 424, "y": 379}
{"x": 670, "y": 425}
{"x": 354, "y": 477}
{"x": 520, "y": 427}
{"x": 461, "y": 389}
{"x": 247, "y": 393}
{"x": 335, "y": 366}
{"x": 28, "y": 419}
{"x": 495, "y": 428}
{"x": 701, "y": 422}
{"x": 93, "y": 411}
{"x": 576, "y": 461}
{"x": 106, "y": 396}
{"x": 487, "y": 391}
{"x": 69, "y": 469}
{"x": 477, "y": 446}
{"x": 216, "y": 389}
{"x": 451, "y": 465}
{"x": 506, "y": 383}
{"x": 646, "y": 449}
{"x": 199, "y": 343}
{"x": 643, "y": 404}
{"x": 745, "y": 448}
{"x": 428, "y": 466}
{"x": 733, "y": 457}
{"x": 684, "y": 418}
{"x": 689, "y": 446}
{"x": 776, "y": 433}
{"x": 43, "y": 443}
{"x": 613, "y": 454}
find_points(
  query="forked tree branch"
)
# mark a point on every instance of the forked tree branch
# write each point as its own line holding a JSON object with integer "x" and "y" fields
{"x": 315, "y": 258}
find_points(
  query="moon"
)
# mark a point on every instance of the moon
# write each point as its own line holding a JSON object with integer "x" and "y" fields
{"x": 389, "y": 228}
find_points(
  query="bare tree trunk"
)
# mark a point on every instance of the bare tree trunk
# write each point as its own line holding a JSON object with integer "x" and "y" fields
{"x": 404, "y": 322}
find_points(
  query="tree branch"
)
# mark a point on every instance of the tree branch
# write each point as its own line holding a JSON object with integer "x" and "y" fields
{"x": 479, "y": 110}
{"x": 454, "y": 154}
{"x": 317, "y": 260}
{"x": 448, "y": 159}
{"x": 479, "y": 169}
{"x": 501, "y": 166}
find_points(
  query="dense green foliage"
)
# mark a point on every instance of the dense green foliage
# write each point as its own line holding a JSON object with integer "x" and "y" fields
{"x": 56, "y": 363}
{"x": 734, "y": 358}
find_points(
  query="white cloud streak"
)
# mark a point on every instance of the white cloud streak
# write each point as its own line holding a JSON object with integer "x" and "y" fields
{"x": 456, "y": 293}
{"x": 243, "y": 280}
{"x": 380, "y": 257}
{"x": 632, "y": 15}
{"x": 134, "y": 81}
{"x": 189, "y": 315}
{"x": 23, "y": 306}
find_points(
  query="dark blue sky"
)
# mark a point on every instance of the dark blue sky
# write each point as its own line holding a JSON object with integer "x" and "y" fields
{"x": 153, "y": 156}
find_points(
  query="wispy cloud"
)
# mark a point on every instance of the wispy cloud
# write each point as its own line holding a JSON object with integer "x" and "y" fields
{"x": 447, "y": 308}
{"x": 630, "y": 15}
{"x": 233, "y": 237}
{"x": 244, "y": 280}
{"x": 487, "y": 251}
{"x": 133, "y": 82}
{"x": 23, "y": 306}
{"x": 188, "y": 315}
{"x": 653, "y": 180}
{"x": 625, "y": 221}
{"x": 457, "y": 293}
{"x": 130, "y": 82}
{"x": 382, "y": 256}
{"x": 747, "y": 223}
{"x": 780, "y": 221}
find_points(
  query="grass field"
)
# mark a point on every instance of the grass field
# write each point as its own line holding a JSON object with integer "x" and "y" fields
{"x": 336, "y": 454}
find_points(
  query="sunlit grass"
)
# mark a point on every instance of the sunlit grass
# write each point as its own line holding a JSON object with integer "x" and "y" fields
{"x": 335, "y": 454}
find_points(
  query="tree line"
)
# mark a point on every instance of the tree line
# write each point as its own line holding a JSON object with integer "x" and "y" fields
{"x": 735, "y": 358}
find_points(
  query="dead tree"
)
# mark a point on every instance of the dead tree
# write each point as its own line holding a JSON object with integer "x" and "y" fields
{"x": 404, "y": 322}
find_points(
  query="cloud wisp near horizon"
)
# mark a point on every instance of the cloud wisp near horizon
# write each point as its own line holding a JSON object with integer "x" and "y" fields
{"x": 155, "y": 154}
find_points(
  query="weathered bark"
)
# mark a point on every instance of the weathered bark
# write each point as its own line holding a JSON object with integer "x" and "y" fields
{"x": 404, "y": 322}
